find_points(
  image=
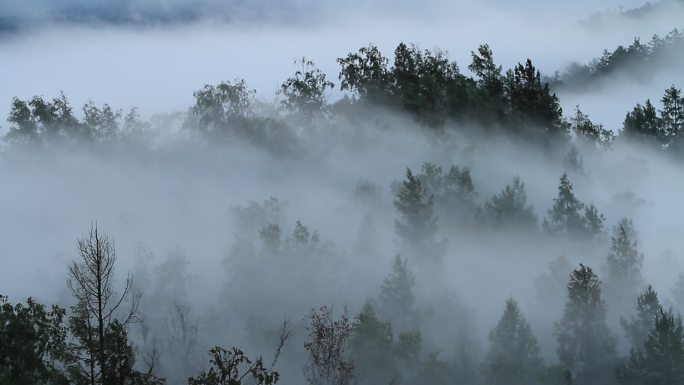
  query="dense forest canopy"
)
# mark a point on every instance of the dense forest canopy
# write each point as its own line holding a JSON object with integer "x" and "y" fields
{"x": 402, "y": 215}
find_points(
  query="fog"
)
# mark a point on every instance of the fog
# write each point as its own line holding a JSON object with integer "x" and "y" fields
{"x": 186, "y": 211}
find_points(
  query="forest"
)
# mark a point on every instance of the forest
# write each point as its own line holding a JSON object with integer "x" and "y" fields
{"x": 405, "y": 220}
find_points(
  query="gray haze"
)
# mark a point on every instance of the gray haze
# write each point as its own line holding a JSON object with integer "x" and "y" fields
{"x": 172, "y": 193}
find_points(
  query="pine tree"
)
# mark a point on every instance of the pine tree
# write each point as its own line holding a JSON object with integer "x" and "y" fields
{"x": 396, "y": 298}
{"x": 372, "y": 347}
{"x": 672, "y": 114}
{"x": 640, "y": 325}
{"x": 586, "y": 346}
{"x": 565, "y": 214}
{"x": 419, "y": 224}
{"x": 509, "y": 209}
{"x": 624, "y": 264}
{"x": 513, "y": 356}
{"x": 643, "y": 122}
{"x": 661, "y": 360}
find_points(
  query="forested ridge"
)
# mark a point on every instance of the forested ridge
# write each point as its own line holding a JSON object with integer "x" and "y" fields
{"x": 287, "y": 286}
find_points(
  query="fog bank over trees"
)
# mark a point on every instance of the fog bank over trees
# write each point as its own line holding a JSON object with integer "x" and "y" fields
{"x": 382, "y": 211}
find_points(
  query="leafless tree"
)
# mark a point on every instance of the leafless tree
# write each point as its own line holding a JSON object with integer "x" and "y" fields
{"x": 91, "y": 280}
{"x": 328, "y": 339}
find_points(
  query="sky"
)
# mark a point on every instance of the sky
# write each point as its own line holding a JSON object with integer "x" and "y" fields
{"x": 138, "y": 60}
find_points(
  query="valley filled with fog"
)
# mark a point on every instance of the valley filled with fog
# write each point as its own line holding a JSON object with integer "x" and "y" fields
{"x": 370, "y": 192}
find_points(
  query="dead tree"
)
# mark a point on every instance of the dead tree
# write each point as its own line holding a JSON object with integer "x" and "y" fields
{"x": 91, "y": 280}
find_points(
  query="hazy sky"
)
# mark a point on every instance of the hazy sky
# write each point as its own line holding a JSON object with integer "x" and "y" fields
{"x": 157, "y": 65}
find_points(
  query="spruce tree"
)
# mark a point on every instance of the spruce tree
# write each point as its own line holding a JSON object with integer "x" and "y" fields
{"x": 396, "y": 298}
{"x": 661, "y": 360}
{"x": 672, "y": 114}
{"x": 513, "y": 356}
{"x": 586, "y": 346}
{"x": 565, "y": 214}
{"x": 372, "y": 347}
{"x": 509, "y": 209}
{"x": 418, "y": 223}
{"x": 624, "y": 263}
{"x": 639, "y": 326}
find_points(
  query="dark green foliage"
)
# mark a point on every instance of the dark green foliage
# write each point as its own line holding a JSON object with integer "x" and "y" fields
{"x": 532, "y": 103}
{"x": 641, "y": 324}
{"x": 585, "y": 129}
{"x": 365, "y": 73}
{"x": 225, "y": 104}
{"x": 565, "y": 216}
{"x": 33, "y": 345}
{"x": 232, "y": 367}
{"x": 41, "y": 121}
{"x": 672, "y": 113}
{"x": 513, "y": 356}
{"x": 372, "y": 348}
{"x": 509, "y": 209}
{"x": 586, "y": 346}
{"x": 305, "y": 91}
{"x": 490, "y": 91}
{"x": 661, "y": 359}
{"x": 643, "y": 122}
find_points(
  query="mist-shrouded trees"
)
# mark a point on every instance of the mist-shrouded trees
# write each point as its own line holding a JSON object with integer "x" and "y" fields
{"x": 642, "y": 122}
{"x": 531, "y": 102}
{"x": 372, "y": 348}
{"x": 365, "y": 73}
{"x": 672, "y": 113}
{"x": 396, "y": 299}
{"x": 305, "y": 92}
{"x": 453, "y": 193}
{"x": 566, "y": 216}
{"x": 586, "y": 130}
{"x": 660, "y": 360}
{"x": 40, "y": 119}
{"x": 623, "y": 279}
{"x": 104, "y": 355}
{"x": 233, "y": 367}
{"x": 33, "y": 347}
{"x": 586, "y": 345}
{"x": 327, "y": 347}
{"x": 509, "y": 209}
{"x": 640, "y": 325}
{"x": 221, "y": 106}
{"x": 490, "y": 83}
{"x": 418, "y": 223}
{"x": 513, "y": 356}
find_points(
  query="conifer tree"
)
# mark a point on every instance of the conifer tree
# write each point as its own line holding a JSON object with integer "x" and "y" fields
{"x": 672, "y": 114}
{"x": 624, "y": 263}
{"x": 418, "y": 224}
{"x": 661, "y": 359}
{"x": 509, "y": 209}
{"x": 372, "y": 347}
{"x": 513, "y": 356}
{"x": 396, "y": 298}
{"x": 639, "y": 326}
{"x": 586, "y": 346}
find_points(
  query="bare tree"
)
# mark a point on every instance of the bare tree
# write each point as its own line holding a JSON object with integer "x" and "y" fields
{"x": 328, "y": 340}
{"x": 91, "y": 282}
